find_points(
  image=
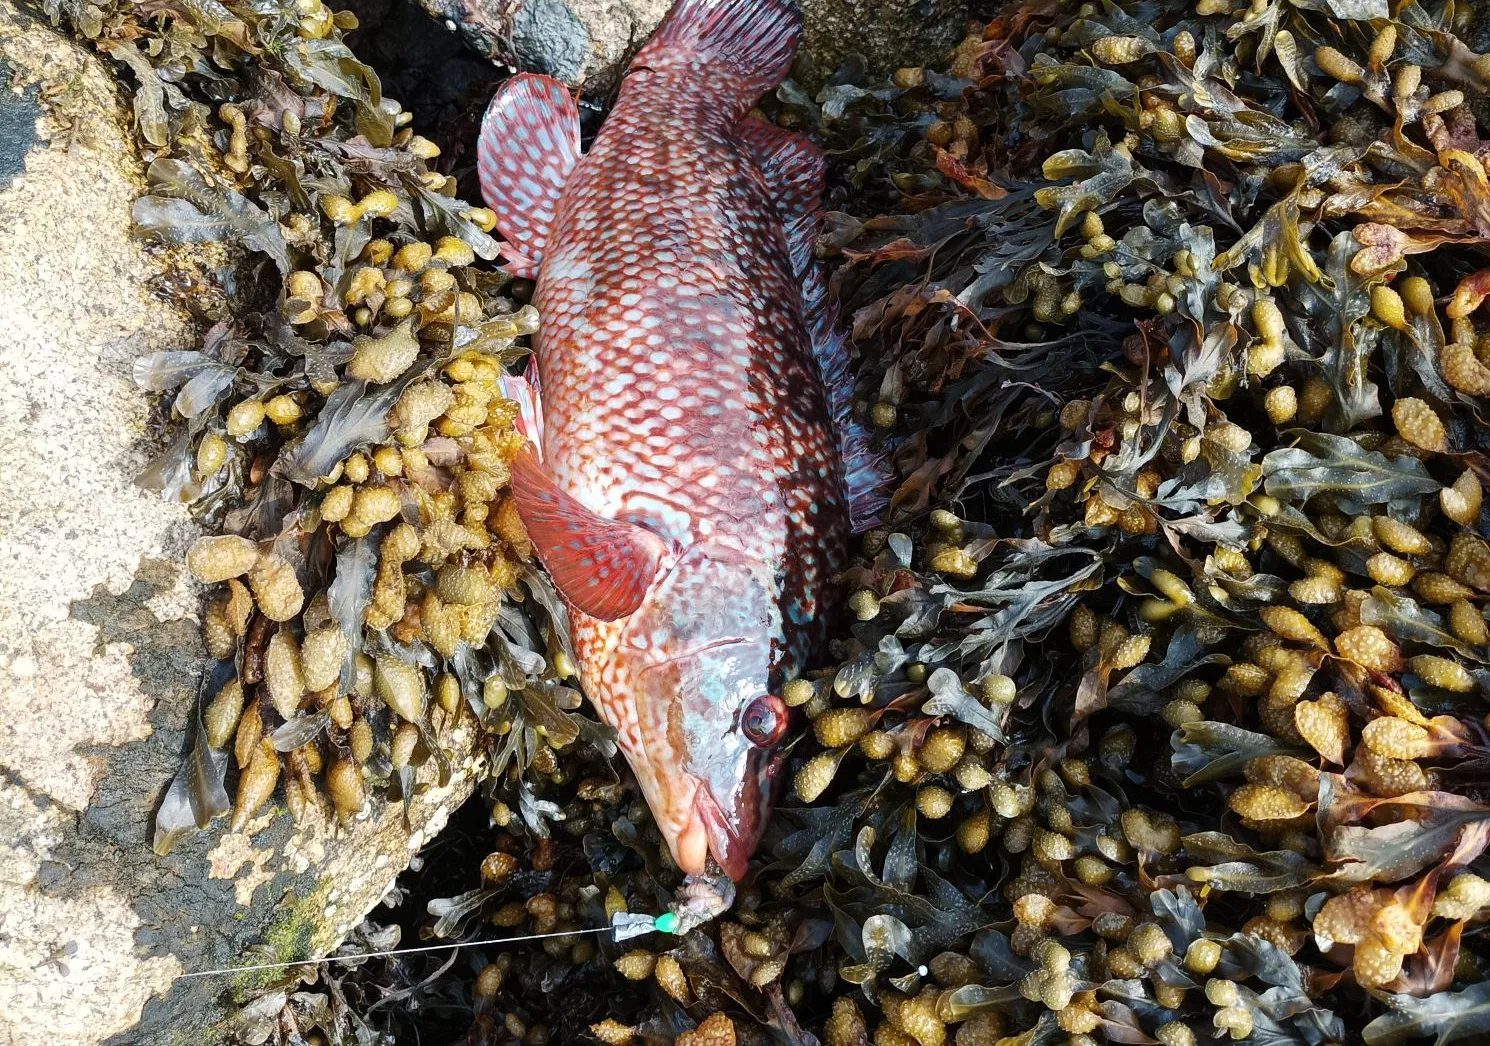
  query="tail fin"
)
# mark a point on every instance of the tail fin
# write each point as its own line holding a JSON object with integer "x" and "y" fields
{"x": 529, "y": 143}
{"x": 757, "y": 37}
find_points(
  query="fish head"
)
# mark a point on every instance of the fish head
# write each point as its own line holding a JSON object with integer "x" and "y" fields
{"x": 702, "y": 649}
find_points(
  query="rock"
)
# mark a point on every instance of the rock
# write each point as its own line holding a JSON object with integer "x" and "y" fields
{"x": 588, "y": 41}
{"x": 100, "y": 655}
{"x": 888, "y": 33}
{"x": 578, "y": 41}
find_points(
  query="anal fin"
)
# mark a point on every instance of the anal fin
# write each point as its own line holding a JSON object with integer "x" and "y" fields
{"x": 603, "y": 567}
{"x": 529, "y": 143}
{"x": 793, "y": 168}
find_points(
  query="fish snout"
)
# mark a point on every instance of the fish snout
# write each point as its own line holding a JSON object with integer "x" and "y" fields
{"x": 733, "y": 828}
{"x": 730, "y": 841}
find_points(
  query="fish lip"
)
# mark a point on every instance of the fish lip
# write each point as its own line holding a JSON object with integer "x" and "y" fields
{"x": 730, "y": 852}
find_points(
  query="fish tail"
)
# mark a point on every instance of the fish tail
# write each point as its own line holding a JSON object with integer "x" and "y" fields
{"x": 758, "y": 38}
{"x": 529, "y": 144}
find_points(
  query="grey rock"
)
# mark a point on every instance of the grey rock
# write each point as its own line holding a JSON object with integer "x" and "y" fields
{"x": 553, "y": 38}
{"x": 888, "y": 33}
{"x": 100, "y": 655}
{"x": 587, "y": 42}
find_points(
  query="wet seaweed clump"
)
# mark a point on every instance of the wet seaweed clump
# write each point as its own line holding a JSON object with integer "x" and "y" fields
{"x": 341, "y": 431}
{"x": 1164, "y": 715}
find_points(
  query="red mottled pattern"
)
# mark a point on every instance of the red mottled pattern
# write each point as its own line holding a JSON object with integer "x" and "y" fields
{"x": 533, "y": 176}
{"x": 684, "y": 396}
{"x": 681, "y": 393}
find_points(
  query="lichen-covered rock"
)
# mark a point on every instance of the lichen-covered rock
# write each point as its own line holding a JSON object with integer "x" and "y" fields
{"x": 75, "y": 294}
{"x": 100, "y": 655}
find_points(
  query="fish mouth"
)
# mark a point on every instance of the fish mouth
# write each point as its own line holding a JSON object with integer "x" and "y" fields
{"x": 729, "y": 850}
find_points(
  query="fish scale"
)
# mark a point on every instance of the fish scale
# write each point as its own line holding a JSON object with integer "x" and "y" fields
{"x": 698, "y": 475}
{"x": 692, "y": 407}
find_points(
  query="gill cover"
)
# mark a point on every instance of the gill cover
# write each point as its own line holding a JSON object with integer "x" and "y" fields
{"x": 706, "y": 639}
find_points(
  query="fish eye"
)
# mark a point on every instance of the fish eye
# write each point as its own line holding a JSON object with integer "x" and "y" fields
{"x": 765, "y": 720}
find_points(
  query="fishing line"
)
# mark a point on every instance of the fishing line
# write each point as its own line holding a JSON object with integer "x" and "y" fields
{"x": 624, "y": 926}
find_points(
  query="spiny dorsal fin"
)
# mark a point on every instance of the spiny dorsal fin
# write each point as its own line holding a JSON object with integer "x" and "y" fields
{"x": 529, "y": 143}
{"x": 603, "y": 567}
{"x": 867, "y": 472}
{"x": 793, "y": 168}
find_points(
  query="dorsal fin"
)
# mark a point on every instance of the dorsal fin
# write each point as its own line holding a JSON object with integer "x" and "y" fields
{"x": 793, "y": 168}
{"x": 603, "y": 567}
{"x": 529, "y": 143}
{"x": 867, "y": 472}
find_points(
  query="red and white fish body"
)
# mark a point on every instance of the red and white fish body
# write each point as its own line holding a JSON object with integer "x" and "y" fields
{"x": 699, "y": 460}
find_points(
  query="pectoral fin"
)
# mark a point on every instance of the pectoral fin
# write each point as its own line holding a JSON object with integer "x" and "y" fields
{"x": 603, "y": 567}
{"x": 522, "y": 389}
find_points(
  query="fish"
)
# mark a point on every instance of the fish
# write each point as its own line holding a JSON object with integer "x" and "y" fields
{"x": 695, "y": 469}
